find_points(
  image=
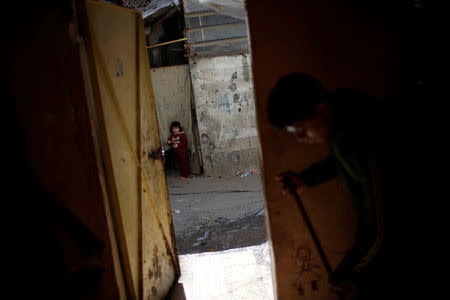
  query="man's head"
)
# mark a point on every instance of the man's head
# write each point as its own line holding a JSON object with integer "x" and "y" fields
{"x": 175, "y": 127}
{"x": 298, "y": 104}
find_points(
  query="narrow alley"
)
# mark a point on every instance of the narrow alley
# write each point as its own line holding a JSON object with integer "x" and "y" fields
{"x": 221, "y": 238}
{"x": 215, "y": 214}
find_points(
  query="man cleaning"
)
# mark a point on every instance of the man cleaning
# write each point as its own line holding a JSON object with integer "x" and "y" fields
{"x": 349, "y": 122}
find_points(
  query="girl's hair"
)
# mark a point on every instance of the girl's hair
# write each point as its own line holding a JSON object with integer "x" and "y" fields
{"x": 175, "y": 124}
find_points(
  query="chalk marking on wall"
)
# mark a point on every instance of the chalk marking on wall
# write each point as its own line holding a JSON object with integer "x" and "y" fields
{"x": 227, "y": 103}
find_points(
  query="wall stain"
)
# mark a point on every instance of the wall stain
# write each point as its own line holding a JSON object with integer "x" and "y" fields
{"x": 227, "y": 103}
{"x": 167, "y": 249}
{"x": 119, "y": 68}
{"x": 233, "y": 87}
{"x": 246, "y": 99}
{"x": 203, "y": 115}
{"x": 236, "y": 98}
{"x": 235, "y": 158}
{"x": 150, "y": 274}
{"x": 245, "y": 69}
{"x": 208, "y": 160}
{"x": 209, "y": 122}
{"x": 219, "y": 157}
{"x": 156, "y": 271}
{"x": 234, "y": 76}
{"x": 155, "y": 154}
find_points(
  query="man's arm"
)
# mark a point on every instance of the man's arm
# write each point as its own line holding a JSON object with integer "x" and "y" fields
{"x": 320, "y": 172}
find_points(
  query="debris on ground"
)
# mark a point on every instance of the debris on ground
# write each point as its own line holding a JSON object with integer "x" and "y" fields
{"x": 246, "y": 174}
{"x": 243, "y": 231}
{"x": 217, "y": 214}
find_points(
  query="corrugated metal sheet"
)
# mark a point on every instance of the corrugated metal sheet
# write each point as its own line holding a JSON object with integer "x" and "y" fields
{"x": 210, "y": 33}
{"x": 232, "y": 8}
{"x": 156, "y": 5}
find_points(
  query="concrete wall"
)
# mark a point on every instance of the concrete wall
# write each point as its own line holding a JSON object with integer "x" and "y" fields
{"x": 225, "y": 107}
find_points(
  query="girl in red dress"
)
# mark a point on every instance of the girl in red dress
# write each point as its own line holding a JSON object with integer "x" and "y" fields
{"x": 178, "y": 141}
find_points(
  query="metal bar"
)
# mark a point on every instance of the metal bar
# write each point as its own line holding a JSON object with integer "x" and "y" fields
{"x": 167, "y": 43}
{"x": 200, "y": 14}
{"x": 215, "y": 26}
{"x": 216, "y": 42}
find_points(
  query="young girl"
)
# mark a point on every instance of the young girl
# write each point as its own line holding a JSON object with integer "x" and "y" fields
{"x": 178, "y": 141}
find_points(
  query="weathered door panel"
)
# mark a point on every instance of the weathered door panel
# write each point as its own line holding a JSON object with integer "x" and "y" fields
{"x": 127, "y": 121}
{"x": 164, "y": 263}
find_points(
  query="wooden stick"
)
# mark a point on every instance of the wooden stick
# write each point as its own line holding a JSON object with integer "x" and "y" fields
{"x": 167, "y": 43}
{"x": 316, "y": 241}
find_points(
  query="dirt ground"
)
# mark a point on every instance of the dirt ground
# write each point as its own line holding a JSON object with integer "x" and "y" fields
{"x": 215, "y": 214}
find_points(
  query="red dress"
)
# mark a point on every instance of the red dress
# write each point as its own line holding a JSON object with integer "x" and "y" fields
{"x": 180, "y": 152}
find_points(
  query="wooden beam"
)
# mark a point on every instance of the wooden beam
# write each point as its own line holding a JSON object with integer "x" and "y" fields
{"x": 167, "y": 43}
{"x": 215, "y": 27}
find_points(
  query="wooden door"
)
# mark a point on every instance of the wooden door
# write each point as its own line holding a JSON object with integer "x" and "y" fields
{"x": 130, "y": 145}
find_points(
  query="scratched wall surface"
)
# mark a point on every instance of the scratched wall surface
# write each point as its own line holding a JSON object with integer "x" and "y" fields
{"x": 225, "y": 108}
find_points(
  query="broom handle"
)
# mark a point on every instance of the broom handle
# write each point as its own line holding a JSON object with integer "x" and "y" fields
{"x": 311, "y": 231}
